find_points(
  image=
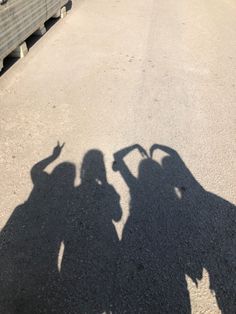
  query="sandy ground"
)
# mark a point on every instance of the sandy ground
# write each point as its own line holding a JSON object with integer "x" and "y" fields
{"x": 116, "y": 73}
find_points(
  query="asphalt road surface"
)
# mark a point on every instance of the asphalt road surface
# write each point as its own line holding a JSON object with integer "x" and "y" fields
{"x": 135, "y": 213}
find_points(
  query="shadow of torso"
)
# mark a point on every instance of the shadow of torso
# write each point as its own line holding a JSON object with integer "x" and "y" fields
{"x": 30, "y": 243}
{"x": 91, "y": 248}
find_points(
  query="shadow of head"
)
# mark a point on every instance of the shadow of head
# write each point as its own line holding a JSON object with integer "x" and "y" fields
{"x": 149, "y": 170}
{"x": 64, "y": 174}
{"x": 93, "y": 167}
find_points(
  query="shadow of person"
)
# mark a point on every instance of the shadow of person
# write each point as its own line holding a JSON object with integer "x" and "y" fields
{"x": 210, "y": 229}
{"x": 91, "y": 242}
{"x": 31, "y": 240}
{"x": 167, "y": 237}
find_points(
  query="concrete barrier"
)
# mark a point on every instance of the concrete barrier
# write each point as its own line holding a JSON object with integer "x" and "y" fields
{"x": 21, "y": 18}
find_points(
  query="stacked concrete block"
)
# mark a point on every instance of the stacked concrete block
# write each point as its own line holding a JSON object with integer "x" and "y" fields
{"x": 21, "y": 18}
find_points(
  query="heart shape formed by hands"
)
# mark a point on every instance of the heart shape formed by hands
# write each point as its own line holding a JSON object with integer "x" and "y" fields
{"x": 154, "y": 147}
{"x": 118, "y": 156}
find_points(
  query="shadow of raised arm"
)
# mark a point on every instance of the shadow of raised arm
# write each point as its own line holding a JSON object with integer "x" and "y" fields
{"x": 120, "y": 165}
{"x": 176, "y": 167}
{"x": 37, "y": 171}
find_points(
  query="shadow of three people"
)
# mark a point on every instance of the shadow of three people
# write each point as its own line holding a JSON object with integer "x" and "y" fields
{"x": 167, "y": 236}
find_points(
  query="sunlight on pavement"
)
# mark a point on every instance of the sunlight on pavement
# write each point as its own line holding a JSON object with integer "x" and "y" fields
{"x": 202, "y": 298}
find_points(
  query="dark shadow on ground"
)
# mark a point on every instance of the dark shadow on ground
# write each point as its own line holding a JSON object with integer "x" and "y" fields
{"x": 31, "y": 240}
{"x": 175, "y": 229}
{"x": 58, "y": 214}
{"x": 69, "y": 6}
{"x": 91, "y": 242}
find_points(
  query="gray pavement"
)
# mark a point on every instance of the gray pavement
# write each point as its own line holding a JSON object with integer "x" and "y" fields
{"x": 157, "y": 236}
